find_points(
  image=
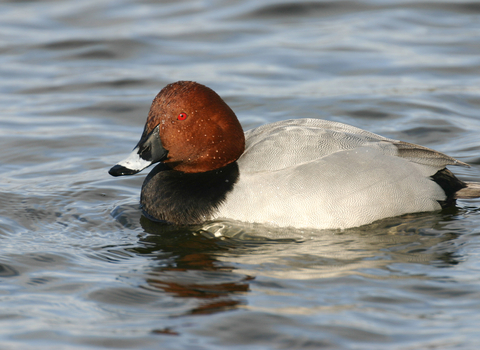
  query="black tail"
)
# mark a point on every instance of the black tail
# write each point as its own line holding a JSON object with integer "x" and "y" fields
{"x": 451, "y": 185}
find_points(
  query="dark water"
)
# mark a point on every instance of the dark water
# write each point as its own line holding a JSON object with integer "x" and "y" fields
{"x": 81, "y": 269}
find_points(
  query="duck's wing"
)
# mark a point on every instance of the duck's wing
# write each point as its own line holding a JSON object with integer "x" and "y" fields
{"x": 424, "y": 155}
{"x": 292, "y": 142}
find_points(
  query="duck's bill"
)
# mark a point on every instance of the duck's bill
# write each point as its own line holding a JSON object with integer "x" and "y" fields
{"x": 132, "y": 165}
{"x": 148, "y": 151}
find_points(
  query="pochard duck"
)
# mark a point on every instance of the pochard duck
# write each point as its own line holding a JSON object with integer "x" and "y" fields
{"x": 305, "y": 173}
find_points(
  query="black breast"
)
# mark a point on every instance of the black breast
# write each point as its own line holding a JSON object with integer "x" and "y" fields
{"x": 186, "y": 198}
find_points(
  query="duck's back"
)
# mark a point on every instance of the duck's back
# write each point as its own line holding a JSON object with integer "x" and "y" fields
{"x": 323, "y": 174}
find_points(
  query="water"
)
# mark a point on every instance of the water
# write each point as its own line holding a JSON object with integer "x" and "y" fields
{"x": 81, "y": 269}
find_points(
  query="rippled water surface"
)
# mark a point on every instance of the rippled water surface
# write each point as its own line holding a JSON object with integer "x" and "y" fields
{"x": 80, "y": 268}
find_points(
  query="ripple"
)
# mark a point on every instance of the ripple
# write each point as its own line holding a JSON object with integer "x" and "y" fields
{"x": 7, "y": 271}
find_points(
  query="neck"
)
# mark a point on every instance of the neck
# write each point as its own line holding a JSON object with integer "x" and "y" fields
{"x": 186, "y": 198}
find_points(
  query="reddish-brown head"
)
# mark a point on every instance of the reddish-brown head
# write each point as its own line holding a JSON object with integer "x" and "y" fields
{"x": 197, "y": 128}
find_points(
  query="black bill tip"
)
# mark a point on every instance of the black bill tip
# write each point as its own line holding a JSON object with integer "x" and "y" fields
{"x": 120, "y": 170}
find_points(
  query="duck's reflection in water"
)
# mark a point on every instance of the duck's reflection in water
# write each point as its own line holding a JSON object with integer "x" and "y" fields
{"x": 188, "y": 268}
{"x": 211, "y": 267}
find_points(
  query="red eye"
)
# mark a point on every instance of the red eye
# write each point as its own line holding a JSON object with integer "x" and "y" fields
{"x": 182, "y": 116}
